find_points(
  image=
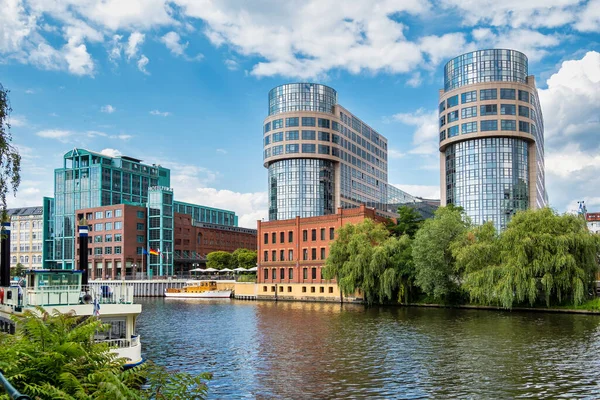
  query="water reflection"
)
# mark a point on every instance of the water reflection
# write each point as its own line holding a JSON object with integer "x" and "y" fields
{"x": 317, "y": 350}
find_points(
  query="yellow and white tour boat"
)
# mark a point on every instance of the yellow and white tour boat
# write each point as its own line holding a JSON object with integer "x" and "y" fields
{"x": 203, "y": 289}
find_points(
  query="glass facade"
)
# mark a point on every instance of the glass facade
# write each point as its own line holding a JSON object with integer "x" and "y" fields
{"x": 301, "y": 187}
{"x": 302, "y": 97}
{"x": 160, "y": 231}
{"x": 495, "y": 65}
{"x": 488, "y": 178}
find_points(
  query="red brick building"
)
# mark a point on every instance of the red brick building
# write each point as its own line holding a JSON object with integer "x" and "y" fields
{"x": 292, "y": 252}
{"x": 118, "y": 236}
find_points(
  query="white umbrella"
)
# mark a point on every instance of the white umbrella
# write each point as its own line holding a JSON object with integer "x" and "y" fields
{"x": 196, "y": 270}
{"x": 253, "y": 269}
{"x": 209, "y": 270}
{"x": 226, "y": 270}
{"x": 240, "y": 269}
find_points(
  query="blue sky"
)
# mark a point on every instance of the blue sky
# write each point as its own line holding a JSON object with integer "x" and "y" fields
{"x": 184, "y": 83}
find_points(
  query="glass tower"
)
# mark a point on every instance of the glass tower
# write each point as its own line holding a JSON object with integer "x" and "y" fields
{"x": 160, "y": 230}
{"x": 491, "y": 136}
{"x": 320, "y": 156}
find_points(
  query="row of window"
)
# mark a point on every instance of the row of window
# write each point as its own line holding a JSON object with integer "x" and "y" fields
{"x": 295, "y": 135}
{"x": 295, "y": 121}
{"x": 313, "y": 273}
{"x": 107, "y": 250}
{"x": 108, "y": 226}
{"x": 25, "y": 247}
{"x": 25, "y": 225}
{"x": 484, "y": 94}
{"x": 110, "y": 214}
{"x": 289, "y": 289}
{"x": 290, "y": 255}
{"x": 486, "y": 110}
{"x": 486, "y": 126}
{"x": 25, "y": 259}
{"x": 290, "y": 236}
{"x": 107, "y": 238}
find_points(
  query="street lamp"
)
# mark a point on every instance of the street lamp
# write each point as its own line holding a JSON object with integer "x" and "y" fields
{"x": 134, "y": 269}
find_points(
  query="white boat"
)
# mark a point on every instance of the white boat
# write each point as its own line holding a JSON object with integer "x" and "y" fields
{"x": 62, "y": 291}
{"x": 199, "y": 290}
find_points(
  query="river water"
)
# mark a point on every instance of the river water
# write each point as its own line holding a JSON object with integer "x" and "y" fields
{"x": 290, "y": 350}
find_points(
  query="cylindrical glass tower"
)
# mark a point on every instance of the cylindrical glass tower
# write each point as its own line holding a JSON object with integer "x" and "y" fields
{"x": 491, "y": 136}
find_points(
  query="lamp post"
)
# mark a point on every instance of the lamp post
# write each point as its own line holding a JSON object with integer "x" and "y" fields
{"x": 134, "y": 269}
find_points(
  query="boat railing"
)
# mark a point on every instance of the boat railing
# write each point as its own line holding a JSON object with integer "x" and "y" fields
{"x": 122, "y": 343}
{"x": 53, "y": 295}
{"x": 117, "y": 293}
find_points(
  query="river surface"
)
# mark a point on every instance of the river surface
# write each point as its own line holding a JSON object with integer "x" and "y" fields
{"x": 286, "y": 350}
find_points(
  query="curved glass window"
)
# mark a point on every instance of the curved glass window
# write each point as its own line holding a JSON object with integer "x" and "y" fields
{"x": 508, "y": 125}
{"x": 291, "y": 135}
{"x": 468, "y": 127}
{"x": 468, "y": 97}
{"x": 507, "y": 109}
{"x": 488, "y": 94}
{"x": 523, "y": 126}
{"x": 301, "y": 187}
{"x": 292, "y": 148}
{"x": 278, "y": 137}
{"x": 524, "y": 111}
{"x": 494, "y": 65}
{"x": 308, "y": 148}
{"x": 488, "y": 177}
{"x": 489, "y": 125}
{"x": 507, "y": 94}
{"x": 524, "y": 96}
{"x": 308, "y": 135}
{"x": 453, "y": 131}
{"x": 489, "y": 109}
{"x": 302, "y": 97}
{"x": 468, "y": 112}
{"x": 324, "y": 136}
{"x": 453, "y": 116}
{"x": 291, "y": 122}
{"x": 452, "y": 101}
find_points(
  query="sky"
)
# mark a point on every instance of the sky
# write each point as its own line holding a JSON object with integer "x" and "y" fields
{"x": 184, "y": 84}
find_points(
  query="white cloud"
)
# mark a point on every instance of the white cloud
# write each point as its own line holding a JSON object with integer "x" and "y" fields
{"x": 29, "y": 91}
{"x": 415, "y": 80}
{"x": 440, "y": 48}
{"x": 160, "y": 113}
{"x": 231, "y": 64}
{"x": 133, "y": 43}
{"x": 393, "y": 153}
{"x": 17, "y": 121}
{"x": 111, "y": 152}
{"x": 589, "y": 17}
{"x": 571, "y": 102}
{"x": 426, "y": 133}
{"x": 142, "y": 62}
{"x": 569, "y": 160}
{"x": 534, "y": 44}
{"x": 108, "y": 109}
{"x": 114, "y": 53}
{"x": 121, "y": 137}
{"x": 58, "y": 134}
{"x": 222, "y": 151}
{"x": 171, "y": 40}
{"x": 424, "y": 191}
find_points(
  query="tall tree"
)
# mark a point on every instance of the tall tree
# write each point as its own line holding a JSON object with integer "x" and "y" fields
{"x": 541, "y": 255}
{"x": 219, "y": 260}
{"x": 433, "y": 259}
{"x": 10, "y": 160}
{"x": 408, "y": 222}
{"x": 244, "y": 258}
{"x": 392, "y": 270}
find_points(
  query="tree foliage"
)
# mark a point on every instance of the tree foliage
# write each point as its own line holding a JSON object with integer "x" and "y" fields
{"x": 10, "y": 160}
{"x": 364, "y": 256}
{"x": 54, "y": 356}
{"x": 18, "y": 270}
{"x": 219, "y": 260}
{"x": 435, "y": 271}
{"x": 408, "y": 222}
{"x": 540, "y": 256}
{"x": 244, "y": 258}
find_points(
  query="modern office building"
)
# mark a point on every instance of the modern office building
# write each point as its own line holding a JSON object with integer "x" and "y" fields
{"x": 90, "y": 182}
{"x": 321, "y": 157}
{"x": 26, "y": 236}
{"x": 292, "y": 254}
{"x": 491, "y": 136}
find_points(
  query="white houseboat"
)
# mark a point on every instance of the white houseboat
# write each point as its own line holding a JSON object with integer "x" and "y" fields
{"x": 62, "y": 290}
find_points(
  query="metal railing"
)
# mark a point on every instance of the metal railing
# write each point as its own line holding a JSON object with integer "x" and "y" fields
{"x": 13, "y": 393}
{"x": 110, "y": 293}
{"x": 123, "y": 343}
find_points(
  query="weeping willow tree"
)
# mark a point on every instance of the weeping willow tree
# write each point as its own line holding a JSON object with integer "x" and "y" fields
{"x": 10, "y": 160}
{"x": 392, "y": 270}
{"x": 541, "y": 256}
{"x": 54, "y": 356}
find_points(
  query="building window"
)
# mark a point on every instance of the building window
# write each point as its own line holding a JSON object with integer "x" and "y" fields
{"x": 304, "y": 235}
{"x": 309, "y": 135}
{"x": 266, "y": 274}
{"x": 314, "y": 254}
{"x": 98, "y": 227}
{"x": 140, "y": 239}
{"x": 108, "y": 226}
{"x": 304, "y": 288}
{"x": 452, "y": 101}
{"x": 488, "y": 94}
{"x": 281, "y": 273}
{"x": 323, "y": 136}
{"x": 490, "y": 125}
{"x": 108, "y": 213}
{"x": 98, "y": 215}
{"x": 524, "y": 111}
{"x": 508, "y": 125}
{"x": 468, "y": 127}
{"x": 523, "y": 126}
{"x": 322, "y": 253}
{"x": 117, "y": 249}
{"x": 442, "y": 106}
{"x": 305, "y": 254}
{"x": 507, "y": 109}
{"x": 267, "y": 127}
{"x": 267, "y": 140}
{"x": 292, "y": 135}
{"x": 308, "y": 121}
{"x": 442, "y": 120}
{"x": 453, "y": 131}
{"x": 312, "y": 289}
{"x": 313, "y": 234}
{"x": 88, "y": 216}
{"x": 322, "y": 233}
{"x": 140, "y": 227}
{"x": 489, "y": 109}
{"x": 139, "y": 250}
{"x": 98, "y": 239}
{"x": 314, "y": 273}
{"x": 266, "y": 238}
{"x": 289, "y": 289}
{"x": 273, "y": 274}
{"x": 331, "y": 233}
{"x": 118, "y": 237}
{"x": 98, "y": 251}
{"x": 293, "y": 121}
{"x": 290, "y": 237}
{"x": 507, "y": 94}
{"x": 468, "y": 97}
{"x": 108, "y": 238}
{"x": 453, "y": 116}
{"x": 304, "y": 273}
{"x": 309, "y": 148}
{"x": 118, "y": 213}
{"x": 278, "y": 137}
{"x": 292, "y": 148}
{"x": 322, "y": 149}
{"x": 118, "y": 225}
{"x": 274, "y": 238}
{"x": 277, "y": 124}
{"x": 290, "y": 255}
{"x": 274, "y": 255}
{"x": 108, "y": 250}
{"x": 277, "y": 150}
{"x": 273, "y": 287}
{"x": 323, "y": 123}
{"x": 330, "y": 289}
{"x": 468, "y": 112}
{"x": 281, "y": 255}
{"x": 524, "y": 96}
{"x": 321, "y": 289}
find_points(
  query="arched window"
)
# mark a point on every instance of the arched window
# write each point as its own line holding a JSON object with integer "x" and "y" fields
{"x": 39, "y": 259}
{"x": 22, "y": 259}
{"x": 26, "y": 259}
{"x": 27, "y": 225}
{"x": 14, "y": 259}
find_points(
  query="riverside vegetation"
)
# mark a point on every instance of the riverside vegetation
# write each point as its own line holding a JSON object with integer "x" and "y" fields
{"x": 54, "y": 356}
{"x": 541, "y": 259}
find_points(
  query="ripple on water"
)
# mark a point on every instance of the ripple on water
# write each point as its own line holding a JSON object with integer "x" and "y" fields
{"x": 311, "y": 350}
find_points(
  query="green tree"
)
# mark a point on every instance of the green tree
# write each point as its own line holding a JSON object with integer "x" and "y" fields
{"x": 408, "y": 222}
{"x": 541, "y": 255}
{"x": 219, "y": 260}
{"x": 435, "y": 271}
{"x": 392, "y": 270}
{"x": 10, "y": 160}
{"x": 244, "y": 258}
{"x": 18, "y": 270}
{"x": 54, "y": 356}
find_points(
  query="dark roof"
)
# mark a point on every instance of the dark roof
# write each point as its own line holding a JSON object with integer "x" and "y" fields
{"x": 17, "y": 212}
